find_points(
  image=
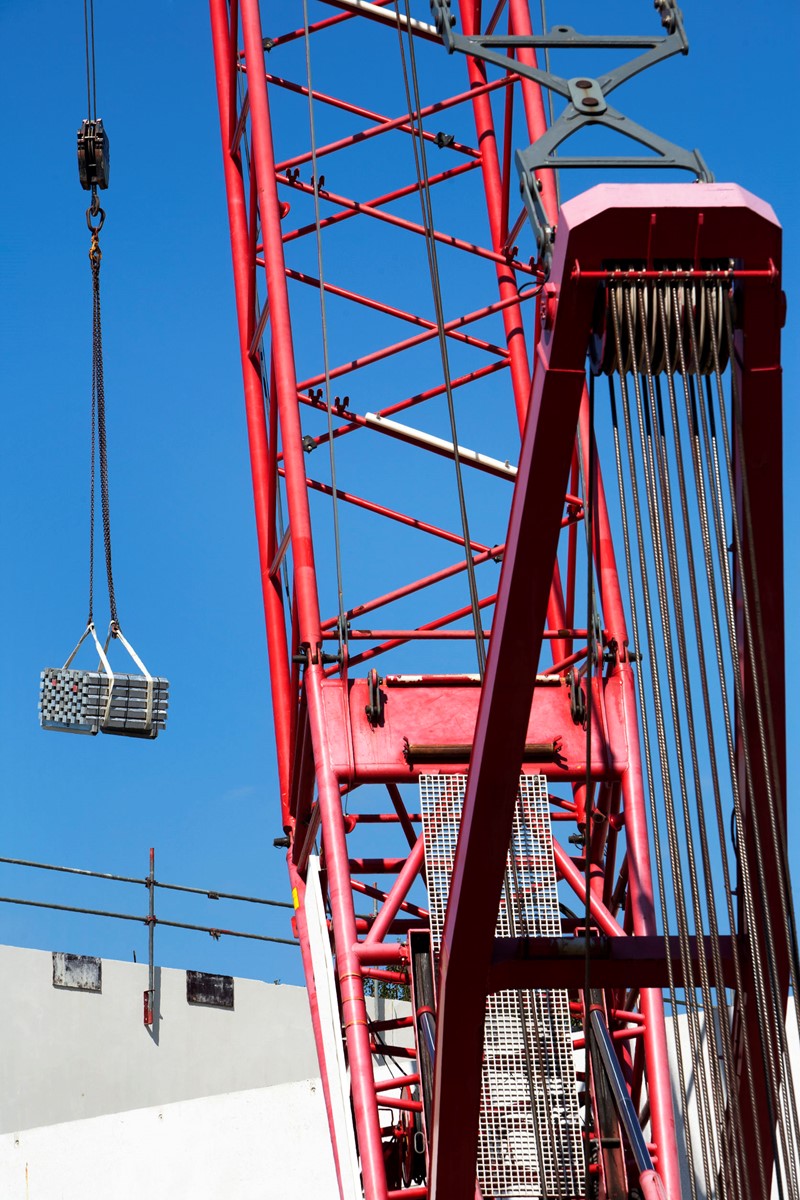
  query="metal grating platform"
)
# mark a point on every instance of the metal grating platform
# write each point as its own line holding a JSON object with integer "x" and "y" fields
{"x": 530, "y": 1140}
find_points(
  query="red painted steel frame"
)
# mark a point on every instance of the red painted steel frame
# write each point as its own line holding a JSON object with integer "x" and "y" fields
{"x": 327, "y": 745}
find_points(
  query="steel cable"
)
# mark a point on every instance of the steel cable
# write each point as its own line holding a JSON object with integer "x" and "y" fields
{"x": 672, "y": 535}
{"x": 702, "y": 510}
{"x": 773, "y": 1030}
{"x": 99, "y": 431}
{"x": 342, "y": 623}
{"x": 638, "y": 642}
{"x": 421, "y": 165}
{"x": 589, "y": 489}
{"x": 737, "y": 1145}
{"x": 752, "y": 614}
{"x": 662, "y": 478}
{"x": 91, "y": 73}
{"x": 652, "y": 511}
{"x": 743, "y": 859}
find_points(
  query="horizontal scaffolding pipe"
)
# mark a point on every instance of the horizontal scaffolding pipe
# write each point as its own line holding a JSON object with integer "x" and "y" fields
{"x": 146, "y": 920}
{"x": 210, "y": 893}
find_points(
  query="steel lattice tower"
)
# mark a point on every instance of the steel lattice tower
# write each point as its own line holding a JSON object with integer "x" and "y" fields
{"x": 489, "y": 587}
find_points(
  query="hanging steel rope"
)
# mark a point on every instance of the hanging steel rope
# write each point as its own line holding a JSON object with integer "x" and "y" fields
{"x": 668, "y": 328}
{"x": 73, "y": 700}
{"x": 99, "y": 433}
{"x": 342, "y": 621}
{"x": 414, "y": 104}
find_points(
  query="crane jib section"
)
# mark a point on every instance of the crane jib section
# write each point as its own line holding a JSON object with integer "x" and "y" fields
{"x": 519, "y": 528}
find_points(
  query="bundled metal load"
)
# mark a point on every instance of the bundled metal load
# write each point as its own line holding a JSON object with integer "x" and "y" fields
{"x": 88, "y": 701}
{"x": 80, "y": 701}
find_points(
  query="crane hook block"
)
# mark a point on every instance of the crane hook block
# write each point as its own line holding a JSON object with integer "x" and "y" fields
{"x": 93, "y": 155}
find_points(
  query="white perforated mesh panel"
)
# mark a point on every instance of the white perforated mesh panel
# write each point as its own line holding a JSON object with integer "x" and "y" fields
{"x": 530, "y": 1131}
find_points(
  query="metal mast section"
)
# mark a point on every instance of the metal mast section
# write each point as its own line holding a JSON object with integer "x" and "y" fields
{"x": 525, "y": 642}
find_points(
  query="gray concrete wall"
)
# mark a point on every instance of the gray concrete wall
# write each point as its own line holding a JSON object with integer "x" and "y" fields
{"x": 68, "y": 1055}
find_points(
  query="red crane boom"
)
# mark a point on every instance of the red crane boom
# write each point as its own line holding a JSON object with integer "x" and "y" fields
{"x": 570, "y": 872}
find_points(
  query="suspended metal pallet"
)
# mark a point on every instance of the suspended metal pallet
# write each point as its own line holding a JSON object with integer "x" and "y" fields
{"x": 79, "y": 701}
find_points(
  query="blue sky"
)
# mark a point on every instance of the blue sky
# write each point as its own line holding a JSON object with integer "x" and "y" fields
{"x": 187, "y": 579}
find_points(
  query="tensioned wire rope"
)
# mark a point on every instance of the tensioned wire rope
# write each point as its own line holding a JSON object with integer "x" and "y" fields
{"x": 91, "y": 73}
{"x": 701, "y": 422}
{"x": 722, "y": 1056}
{"x": 534, "y": 1062}
{"x": 638, "y": 644}
{"x": 99, "y": 450}
{"x": 651, "y": 398}
{"x": 342, "y": 619}
{"x": 533, "y": 1051}
{"x": 589, "y": 491}
{"x": 771, "y": 1016}
{"x": 753, "y": 647}
{"x": 421, "y": 165}
{"x": 664, "y": 708}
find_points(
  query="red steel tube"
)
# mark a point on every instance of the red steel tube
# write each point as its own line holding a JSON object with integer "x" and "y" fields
{"x": 296, "y": 34}
{"x": 380, "y": 954}
{"x": 386, "y": 1085}
{"x": 351, "y": 984}
{"x": 408, "y": 343}
{"x": 410, "y": 402}
{"x": 401, "y": 1103}
{"x": 261, "y": 470}
{"x": 498, "y": 219}
{"x": 377, "y": 201}
{"x": 366, "y": 889}
{"x": 357, "y": 111}
{"x": 398, "y": 894}
{"x": 374, "y": 651}
{"x": 280, "y": 319}
{"x": 382, "y": 511}
{"x": 577, "y": 881}
{"x": 446, "y": 573}
{"x": 391, "y": 310}
{"x": 409, "y": 635}
{"x": 364, "y": 209}
{"x": 348, "y": 966}
{"x": 519, "y": 18}
{"x": 385, "y": 124}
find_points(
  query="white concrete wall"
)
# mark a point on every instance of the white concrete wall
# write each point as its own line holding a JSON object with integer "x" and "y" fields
{"x": 263, "y": 1144}
{"x": 68, "y": 1055}
{"x": 681, "y": 1029}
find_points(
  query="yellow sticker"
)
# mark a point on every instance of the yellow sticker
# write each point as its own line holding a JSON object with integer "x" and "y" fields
{"x": 295, "y": 898}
